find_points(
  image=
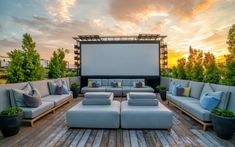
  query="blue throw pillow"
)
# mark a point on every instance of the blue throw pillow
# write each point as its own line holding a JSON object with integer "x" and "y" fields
{"x": 179, "y": 91}
{"x": 65, "y": 88}
{"x": 209, "y": 102}
{"x": 174, "y": 89}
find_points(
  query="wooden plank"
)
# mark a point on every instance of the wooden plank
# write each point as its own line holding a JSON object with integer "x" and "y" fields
{"x": 98, "y": 138}
{"x": 126, "y": 138}
{"x": 162, "y": 139}
{"x": 105, "y": 139}
{"x": 134, "y": 140}
{"x": 91, "y": 138}
{"x": 84, "y": 138}
{"x": 112, "y": 139}
{"x": 202, "y": 138}
{"x": 70, "y": 138}
{"x": 141, "y": 139}
{"x": 177, "y": 139}
{"x": 210, "y": 138}
{"x": 157, "y": 140}
{"x": 77, "y": 138}
{"x": 169, "y": 138}
{"x": 119, "y": 138}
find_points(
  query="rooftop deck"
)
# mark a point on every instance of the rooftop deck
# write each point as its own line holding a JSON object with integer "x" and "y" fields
{"x": 52, "y": 131}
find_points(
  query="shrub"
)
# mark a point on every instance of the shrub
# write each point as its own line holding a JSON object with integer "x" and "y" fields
{"x": 75, "y": 85}
{"x": 11, "y": 111}
{"x": 160, "y": 88}
{"x": 224, "y": 113}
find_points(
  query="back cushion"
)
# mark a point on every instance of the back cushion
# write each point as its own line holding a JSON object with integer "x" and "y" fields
{"x": 42, "y": 87}
{"x": 183, "y": 83}
{"x": 105, "y": 82}
{"x": 4, "y": 99}
{"x": 67, "y": 82}
{"x": 114, "y": 80}
{"x": 196, "y": 89}
{"x": 126, "y": 82}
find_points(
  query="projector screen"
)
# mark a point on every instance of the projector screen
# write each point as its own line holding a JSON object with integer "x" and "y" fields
{"x": 120, "y": 59}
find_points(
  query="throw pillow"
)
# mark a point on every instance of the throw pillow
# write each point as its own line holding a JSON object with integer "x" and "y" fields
{"x": 171, "y": 86}
{"x": 59, "y": 90}
{"x": 143, "y": 84}
{"x": 119, "y": 84}
{"x": 139, "y": 85}
{"x": 134, "y": 84}
{"x": 174, "y": 90}
{"x": 65, "y": 87}
{"x": 36, "y": 93}
{"x": 179, "y": 91}
{"x": 114, "y": 84}
{"x": 94, "y": 85}
{"x": 31, "y": 101}
{"x": 89, "y": 84}
{"x": 186, "y": 91}
{"x": 209, "y": 102}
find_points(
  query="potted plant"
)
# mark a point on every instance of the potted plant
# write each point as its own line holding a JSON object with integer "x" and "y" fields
{"x": 10, "y": 121}
{"x": 223, "y": 123}
{"x": 162, "y": 91}
{"x": 75, "y": 87}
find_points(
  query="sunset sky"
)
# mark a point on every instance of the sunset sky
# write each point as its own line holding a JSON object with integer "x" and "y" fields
{"x": 203, "y": 24}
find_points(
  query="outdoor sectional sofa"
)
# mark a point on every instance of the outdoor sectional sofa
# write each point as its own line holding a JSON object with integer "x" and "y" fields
{"x": 49, "y": 102}
{"x": 127, "y": 86}
{"x": 191, "y": 105}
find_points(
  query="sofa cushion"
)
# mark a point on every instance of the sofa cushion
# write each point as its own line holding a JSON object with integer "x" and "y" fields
{"x": 126, "y": 82}
{"x": 114, "y": 81}
{"x": 34, "y": 112}
{"x": 143, "y": 89}
{"x": 97, "y": 81}
{"x": 186, "y": 91}
{"x": 206, "y": 88}
{"x": 95, "y": 95}
{"x": 196, "y": 109}
{"x": 42, "y": 87}
{"x": 57, "y": 99}
{"x": 104, "y": 82}
{"x": 142, "y": 102}
{"x": 180, "y": 100}
{"x": 91, "y": 89}
{"x": 125, "y": 90}
{"x": 96, "y": 101}
{"x": 141, "y": 95}
{"x": 115, "y": 90}
{"x": 4, "y": 100}
{"x": 134, "y": 81}
{"x": 183, "y": 83}
{"x": 196, "y": 89}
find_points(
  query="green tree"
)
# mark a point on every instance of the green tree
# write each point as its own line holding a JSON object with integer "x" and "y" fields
{"x": 229, "y": 76}
{"x": 15, "y": 72}
{"x": 54, "y": 66}
{"x": 25, "y": 64}
{"x": 211, "y": 74}
{"x": 189, "y": 64}
{"x": 57, "y": 64}
{"x": 181, "y": 68}
{"x": 33, "y": 70}
{"x": 174, "y": 73}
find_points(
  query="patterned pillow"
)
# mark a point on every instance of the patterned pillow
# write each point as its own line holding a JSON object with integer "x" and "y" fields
{"x": 32, "y": 101}
{"x": 179, "y": 91}
{"x": 114, "y": 84}
{"x": 139, "y": 85}
{"x": 59, "y": 90}
{"x": 209, "y": 102}
{"x": 119, "y": 84}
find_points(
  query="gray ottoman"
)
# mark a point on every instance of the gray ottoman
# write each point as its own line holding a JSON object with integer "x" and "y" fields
{"x": 94, "y": 116}
{"x": 145, "y": 117}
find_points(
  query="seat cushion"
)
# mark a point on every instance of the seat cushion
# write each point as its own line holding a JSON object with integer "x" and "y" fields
{"x": 125, "y": 90}
{"x": 142, "y": 102}
{"x": 196, "y": 109}
{"x": 143, "y": 89}
{"x": 95, "y": 89}
{"x": 57, "y": 99}
{"x": 95, "y": 95}
{"x": 145, "y": 117}
{"x": 179, "y": 100}
{"x": 94, "y": 116}
{"x": 97, "y": 101}
{"x": 34, "y": 112}
{"x": 115, "y": 90}
{"x": 141, "y": 95}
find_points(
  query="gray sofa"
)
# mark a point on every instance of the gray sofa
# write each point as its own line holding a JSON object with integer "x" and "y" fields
{"x": 191, "y": 105}
{"x": 127, "y": 86}
{"x": 49, "y": 102}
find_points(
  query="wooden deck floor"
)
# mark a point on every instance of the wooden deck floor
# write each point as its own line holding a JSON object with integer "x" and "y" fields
{"x": 52, "y": 131}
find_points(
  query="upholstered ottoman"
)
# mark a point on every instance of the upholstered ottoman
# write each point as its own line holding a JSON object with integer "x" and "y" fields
{"x": 145, "y": 117}
{"x": 94, "y": 116}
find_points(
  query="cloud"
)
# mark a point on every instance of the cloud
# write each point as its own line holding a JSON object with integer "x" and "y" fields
{"x": 60, "y": 10}
{"x": 129, "y": 10}
{"x": 177, "y": 29}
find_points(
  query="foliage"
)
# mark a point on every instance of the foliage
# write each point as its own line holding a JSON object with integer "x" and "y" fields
{"x": 75, "y": 85}
{"x": 71, "y": 74}
{"x": 224, "y": 113}
{"x": 15, "y": 70}
{"x": 161, "y": 88}
{"x": 174, "y": 73}
{"x": 25, "y": 64}
{"x": 231, "y": 41}
{"x": 212, "y": 73}
{"x": 11, "y": 111}
{"x": 196, "y": 61}
{"x": 57, "y": 64}
{"x": 181, "y": 68}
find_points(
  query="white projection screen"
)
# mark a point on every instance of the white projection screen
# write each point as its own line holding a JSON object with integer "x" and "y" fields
{"x": 120, "y": 59}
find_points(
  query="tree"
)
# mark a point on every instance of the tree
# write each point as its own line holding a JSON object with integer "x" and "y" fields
{"x": 25, "y": 64}
{"x": 33, "y": 70}
{"x": 15, "y": 72}
{"x": 181, "y": 68}
{"x": 54, "y": 66}
{"x": 211, "y": 74}
{"x": 57, "y": 64}
{"x": 174, "y": 73}
{"x": 189, "y": 64}
{"x": 229, "y": 76}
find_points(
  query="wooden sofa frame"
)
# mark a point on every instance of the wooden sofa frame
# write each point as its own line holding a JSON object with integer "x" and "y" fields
{"x": 204, "y": 124}
{"x": 33, "y": 120}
